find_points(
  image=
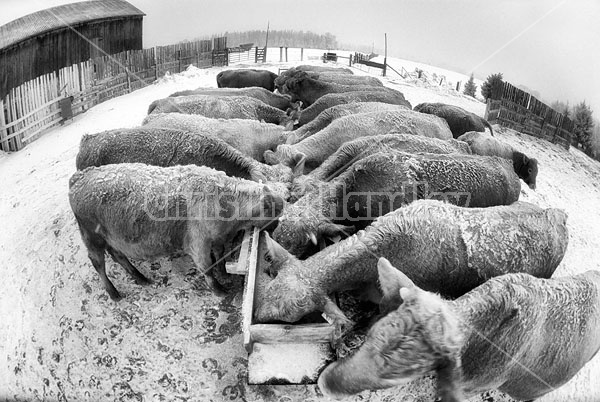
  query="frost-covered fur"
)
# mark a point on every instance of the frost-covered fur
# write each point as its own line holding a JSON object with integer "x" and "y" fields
{"x": 441, "y": 247}
{"x": 280, "y": 80}
{"x": 329, "y": 100}
{"x": 522, "y": 335}
{"x": 482, "y": 144}
{"x": 355, "y": 150}
{"x": 167, "y": 147}
{"x": 302, "y": 86}
{"x": 134, "y": 210}
{"x": 270, "y": 98}
{"x": 387, "y": 180}
{"x": 347, "y": 79}
{"x": 330, "y": 114}
{"x": 321, "y": 145}
{"x": 224, "y": 107}
{"x": 250, "y": 137}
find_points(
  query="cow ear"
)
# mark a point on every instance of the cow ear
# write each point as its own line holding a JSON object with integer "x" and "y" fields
{"x": 272, "y": 205}
{"x": 394, "y": 285}
{"x": 299, "y": 161}
{"x": 275, "y": 255}
{"x": 390, "y": 278}
{"x": 270, "y": 157}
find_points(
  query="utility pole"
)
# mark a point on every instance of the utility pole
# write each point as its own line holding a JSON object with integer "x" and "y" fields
{"x": 385, "y": 55}
{"x": 267, "y": 39}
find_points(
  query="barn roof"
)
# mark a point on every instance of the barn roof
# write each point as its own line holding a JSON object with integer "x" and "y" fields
{"x": 35, "y": 24}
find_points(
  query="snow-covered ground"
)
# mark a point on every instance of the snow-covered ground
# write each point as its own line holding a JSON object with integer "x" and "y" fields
{"x": 61, "y": 338}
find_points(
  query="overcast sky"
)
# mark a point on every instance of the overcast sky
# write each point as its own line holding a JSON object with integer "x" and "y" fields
{"x": 550, "y": 46}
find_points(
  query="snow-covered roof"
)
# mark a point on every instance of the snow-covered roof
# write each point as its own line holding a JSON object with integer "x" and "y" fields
{"x": 58, "y": 17}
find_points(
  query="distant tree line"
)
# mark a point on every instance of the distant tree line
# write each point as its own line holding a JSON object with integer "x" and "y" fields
{"x": 289, "y": 38}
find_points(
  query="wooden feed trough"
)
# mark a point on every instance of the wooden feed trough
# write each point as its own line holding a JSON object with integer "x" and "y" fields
{"x": 278, "y": 353}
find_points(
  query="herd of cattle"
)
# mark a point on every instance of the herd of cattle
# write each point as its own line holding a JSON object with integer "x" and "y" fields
{"x": 354, "y": 190}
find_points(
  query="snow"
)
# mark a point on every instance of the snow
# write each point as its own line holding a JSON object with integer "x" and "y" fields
{"x": 55, "y": 312}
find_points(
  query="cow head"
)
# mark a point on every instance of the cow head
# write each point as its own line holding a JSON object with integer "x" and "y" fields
{"x": 421, "y": 336}
{"x": 526, "y": 168}
{"x": 268, "y": 209}
{"x": 282, "y": 295}
{"x": 303, "y": 227}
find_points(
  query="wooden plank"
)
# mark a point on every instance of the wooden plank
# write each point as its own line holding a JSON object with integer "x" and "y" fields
{"x": 3, "y": 129}
{"x": 249, "y": 289}
{"x": 284, "y": 333}
{"x": 46, "y": 126}
{"x": 39, "y": 109}
{"x": 14, "y": 116}
{"x": 24, "y": 129}
{"x": 240, "y": 267}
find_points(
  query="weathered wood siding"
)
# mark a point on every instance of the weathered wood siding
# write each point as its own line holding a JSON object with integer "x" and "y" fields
{"x": 516, "y": 109}
{"x": 67, "y": 46}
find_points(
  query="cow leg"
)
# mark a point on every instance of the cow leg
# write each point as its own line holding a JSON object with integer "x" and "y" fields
{"x": 98, "y": 263}
{"x": 96, "y": 246}
{"x": 137, "y": 276}
{"x": 200, "y": 252}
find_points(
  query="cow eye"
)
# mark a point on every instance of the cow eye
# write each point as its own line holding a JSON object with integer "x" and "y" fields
{"x": 268, "y": 258}
{"x": 529, "y": 170}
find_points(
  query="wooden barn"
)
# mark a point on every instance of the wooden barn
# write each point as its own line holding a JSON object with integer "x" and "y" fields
{"x": 48, "y": 40}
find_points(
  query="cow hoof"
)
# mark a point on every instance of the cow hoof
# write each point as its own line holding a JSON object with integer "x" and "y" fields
{"x": 143, "y": 281}
{"x": 115, "y": 296}
{"x": 215, "y": 286}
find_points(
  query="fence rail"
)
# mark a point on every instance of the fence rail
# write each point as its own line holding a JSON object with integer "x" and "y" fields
{"x": 514, "y": 108}
{"x": 37, "y": 105}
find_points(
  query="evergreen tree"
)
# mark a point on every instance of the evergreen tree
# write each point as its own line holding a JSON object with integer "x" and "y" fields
{"x": 470, "y": 87}
{"x": 584, "y": 124}
{"x": 491, "y": 82}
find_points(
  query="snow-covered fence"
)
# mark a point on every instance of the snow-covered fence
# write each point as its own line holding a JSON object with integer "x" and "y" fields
{"x": 514, "y": 108}
{"x": 361, "y": 58}
{"x": 37, "y": 105}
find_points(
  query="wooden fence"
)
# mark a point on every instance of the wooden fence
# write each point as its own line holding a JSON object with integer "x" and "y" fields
{"x": 514, "y": 108}
{"x": 37, "y": 105}
{"x": 361, "y": 58}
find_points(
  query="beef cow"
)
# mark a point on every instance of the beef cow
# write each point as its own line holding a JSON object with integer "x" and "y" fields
{"x": 227, "y": 107}
{"x": 321, "y": 145}
{"x": 441, "y": 247}
{"x": 250, "y": 137}
{"x": 246, "y": 78}
{"x": 459, "y": 119}
{"x": 481, "y": 144}
{"x": 146, "y": 212}
{"x": 167, "y": 147}
{"x": 270, "y": 98}
{"x": 522, "y": 335}
{"x": 387, "y": 180}
{"x": 302, "y": 86}
{"x": 329, "y": 100}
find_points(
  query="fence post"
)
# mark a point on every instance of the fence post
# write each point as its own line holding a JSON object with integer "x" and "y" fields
{"x": 280, "y": 54}
{"x": 3, "y": 130}
{"x": 155, "y": 65}
{"x": 301, "y": 54}
{"x": 286, "y": 54}
{"x": 127, "y": 71}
